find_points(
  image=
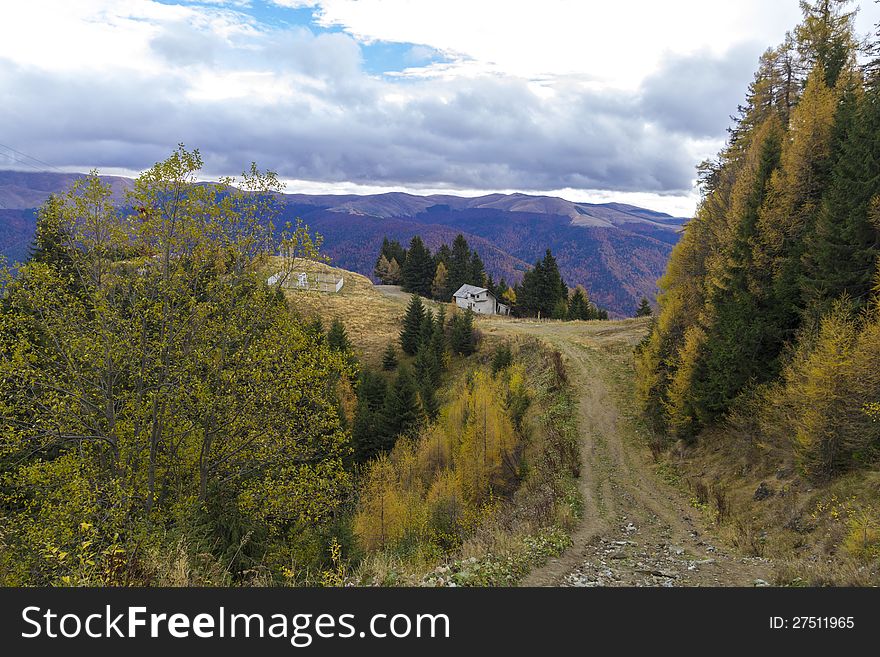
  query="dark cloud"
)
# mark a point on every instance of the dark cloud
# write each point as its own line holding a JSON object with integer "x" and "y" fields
{"x": 483, "y": 132}
{"x": 696, "y": 94}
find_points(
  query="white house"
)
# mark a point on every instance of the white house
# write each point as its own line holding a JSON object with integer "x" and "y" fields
{"x": 480, "y": 300}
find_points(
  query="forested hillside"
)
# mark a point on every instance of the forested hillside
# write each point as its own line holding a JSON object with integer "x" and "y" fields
{"x": 167, "y": 417}
{"x": 769, "y": 322}
{"x": 616, "y": 251}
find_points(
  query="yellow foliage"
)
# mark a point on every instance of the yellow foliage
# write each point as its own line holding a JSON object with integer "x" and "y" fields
{"x": 448, "y": 479}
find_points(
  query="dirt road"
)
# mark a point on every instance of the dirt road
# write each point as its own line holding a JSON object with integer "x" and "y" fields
{"x": 636, "y": 530}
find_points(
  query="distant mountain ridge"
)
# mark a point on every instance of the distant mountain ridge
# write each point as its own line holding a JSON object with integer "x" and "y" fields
{"x": 617, "y": 251}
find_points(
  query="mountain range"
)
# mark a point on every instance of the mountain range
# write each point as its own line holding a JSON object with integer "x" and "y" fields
{"x": 616, "y": 251}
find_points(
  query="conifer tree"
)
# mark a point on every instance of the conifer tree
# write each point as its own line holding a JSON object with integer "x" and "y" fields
{"x": 427, "y": 328}
{"x": 438, "y": 339}
{"x": 644, "y": 309}
{"x": 842, "y": 252}
{"x": 462, "y": 339}
{"x": 417, "y": 273}
{"x": 402, "y": 413}
{"x": 477, "y": 271}
{"x": 366, "y": 430}
{"x": 459, "y": 264}
{"x": 389, "y": 358}
{"x": 410, "y": 334}
{"x": 337, "y": 336}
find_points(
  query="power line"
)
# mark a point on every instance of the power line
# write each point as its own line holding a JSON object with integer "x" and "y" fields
{"x": 17, "y": 154}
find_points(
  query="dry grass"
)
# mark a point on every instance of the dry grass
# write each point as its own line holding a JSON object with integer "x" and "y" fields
{"x": 371, "y": 318}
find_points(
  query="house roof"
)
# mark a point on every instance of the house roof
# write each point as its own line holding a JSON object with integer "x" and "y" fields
{"x": 466, "y": 290}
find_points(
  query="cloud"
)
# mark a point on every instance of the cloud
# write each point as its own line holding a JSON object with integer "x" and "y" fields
{"x": 695, "y": 94}
{"x": 526, "y": 99}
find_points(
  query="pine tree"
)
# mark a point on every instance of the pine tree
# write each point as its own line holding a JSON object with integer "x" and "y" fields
{"x": 825, "y": 39}
{"x": 462, "y": 339}
{"x": 438, "y": 339}
{"x": 560, "y": 310}
{"x": 426, "y": 367}
{"x": 366, "y": 431}
{"x": 542, "y": 288}
{"x": 459, "y": 264}
{"x": 579, "y": 307}
{"x": 402, "y": 413}
{"x": 389, "y": 358}
{"x": 841, "y": 254}
{"x": 477, "y": 271}
{"x": 410, "y": 334}
{"x": 427, "y": 328}
{"x": 644, "y": 309}
{"x": 337, "y": 336}
{"x": 418, "y": 269}
{"x": 428, "y": 400}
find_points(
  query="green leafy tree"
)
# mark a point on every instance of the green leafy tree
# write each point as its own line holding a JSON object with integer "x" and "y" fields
{"x": 167, "y": 372}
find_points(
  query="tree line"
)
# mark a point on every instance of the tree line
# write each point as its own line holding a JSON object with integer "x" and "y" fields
{"x": 770, "y": 300}
{"x": 388, "y": 409}
{"x": 541, "y": 293}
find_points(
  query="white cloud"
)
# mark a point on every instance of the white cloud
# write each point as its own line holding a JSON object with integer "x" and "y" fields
{"x": 583, "y": 99}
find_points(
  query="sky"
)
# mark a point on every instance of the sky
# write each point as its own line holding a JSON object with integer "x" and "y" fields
{"x": 589, "y": 100}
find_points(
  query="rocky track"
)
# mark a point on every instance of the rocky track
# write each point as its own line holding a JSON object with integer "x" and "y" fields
{"x": 636, "y": 530}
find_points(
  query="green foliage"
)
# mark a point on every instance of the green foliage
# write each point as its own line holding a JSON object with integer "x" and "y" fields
{"x": 542, "y": 290}
{"x": 389, "y": 358}
{"x": 462, "y": 338}
{"x": 337, "y": 337}
{"x": 164, "y": 372}
{"x": 366, "y": 433}
{"x": 768, "y": 297}
{"x": 402, "y": 413}
{"x": 502, "y": 358}
{"x": 417, "y": 272}
{"x": 644, "y": 309}
{"x": 411, "y": 333}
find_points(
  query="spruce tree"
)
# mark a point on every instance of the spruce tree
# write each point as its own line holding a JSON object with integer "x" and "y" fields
{"x": 410, "y": 334}
{"x": 579, "y": 306}
{"x": 427, "y": 328}
{"x": 428, "y": 400}
{"x": 477, "y": 271}
{"x": 438, "y": 339}
{"x": 644, "y": 309}
{"x": 841, "y": 254}
{"x": 402, "y": 413}
{"x": 389, "y": 358}
{"x": 560, "y": 310}
{"x": 337, "y": 337}
{"x": 459, "y": 265}
{"x": 462, "y": 339}
{"x": 366, "y": 431}
{"x": 417, "y": 273}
